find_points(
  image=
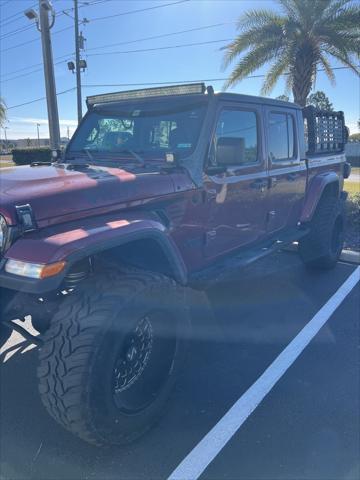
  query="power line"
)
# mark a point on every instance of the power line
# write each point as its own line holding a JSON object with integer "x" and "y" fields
{"x": 170, "y": 47}
{"x": 129, "y": 12}
{"x": 163, "y": 35}
{"x": 127, "y": 42}
{"x": 32, "y": 66}
{"x": 40, "y": 99}
{"x": 220, "y": 79}
{"x": 32, "y": 72}
{"x": 161, "y": 48}
{"x": 21, "y": 14}
{"x": 177, "y": 82}
{"x": 18, "y": 13}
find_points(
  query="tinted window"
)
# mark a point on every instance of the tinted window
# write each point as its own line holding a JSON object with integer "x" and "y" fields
{"x": 281, "y": 136}
{"x": 240, "y": 124}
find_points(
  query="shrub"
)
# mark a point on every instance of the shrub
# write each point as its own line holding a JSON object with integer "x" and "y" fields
{"x": 353, "y": 210}
{"x": 26, "y": 156}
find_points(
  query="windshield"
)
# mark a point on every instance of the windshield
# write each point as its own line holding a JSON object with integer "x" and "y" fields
{"x": 151, "y": 129}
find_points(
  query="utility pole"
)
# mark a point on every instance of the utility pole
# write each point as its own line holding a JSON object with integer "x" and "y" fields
{"x": 51, "y": 99}
{"x": 38, "y": 133}
{"x": 44, "y": 26}
{"x": 77, "y": 61}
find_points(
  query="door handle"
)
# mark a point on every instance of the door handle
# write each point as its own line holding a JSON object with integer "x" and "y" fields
{"x": 259, "y": 184}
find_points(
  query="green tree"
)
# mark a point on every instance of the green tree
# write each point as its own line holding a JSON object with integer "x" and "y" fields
{"x": 320, "y": 100}
{"x": 296, "y": 42}
{"x": 2, "y": 111}
{"x": 284, "y": 98}
{"x": 355, "y": 137}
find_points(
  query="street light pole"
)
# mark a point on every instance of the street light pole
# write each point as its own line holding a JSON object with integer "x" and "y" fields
{"x": 38, "y": 133}
{"x": 6, "y": 142}
{"x": 77, "y": 61}
{"x": 53, "y": 115}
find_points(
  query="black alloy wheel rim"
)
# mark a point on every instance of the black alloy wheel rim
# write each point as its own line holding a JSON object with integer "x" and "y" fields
{"x": 144, "y": 363}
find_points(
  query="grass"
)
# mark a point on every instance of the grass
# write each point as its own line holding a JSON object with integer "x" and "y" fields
{"x": 6, "y": 161}
{"x": 6, "y": 164}
{"x": 352, "y": 188}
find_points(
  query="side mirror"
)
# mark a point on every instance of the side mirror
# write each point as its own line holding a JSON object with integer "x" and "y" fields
{"x": 230, "y": 151}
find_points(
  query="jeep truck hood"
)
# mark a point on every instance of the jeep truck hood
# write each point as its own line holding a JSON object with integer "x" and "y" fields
{"x": 61, "y": 193}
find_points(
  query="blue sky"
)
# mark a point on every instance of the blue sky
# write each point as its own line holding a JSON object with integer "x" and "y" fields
{"x": 176, "y": 64}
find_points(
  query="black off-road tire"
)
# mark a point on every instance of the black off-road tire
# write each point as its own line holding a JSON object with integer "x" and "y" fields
{"x": 5, "y": 334}
{"x": 82, "y": 345}
{"x": 322, "y": 247}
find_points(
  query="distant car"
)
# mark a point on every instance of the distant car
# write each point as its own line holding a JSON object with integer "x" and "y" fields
{"x": 158, "y": 189}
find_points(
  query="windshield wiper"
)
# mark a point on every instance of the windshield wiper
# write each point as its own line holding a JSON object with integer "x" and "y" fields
{"x": 134, "y": 154}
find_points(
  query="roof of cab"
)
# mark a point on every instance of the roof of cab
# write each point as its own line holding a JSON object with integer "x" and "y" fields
{"x": 241, "y": 98}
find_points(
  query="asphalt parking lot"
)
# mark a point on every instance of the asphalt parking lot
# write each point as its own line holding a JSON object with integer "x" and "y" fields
{"x": 307, "y": 427}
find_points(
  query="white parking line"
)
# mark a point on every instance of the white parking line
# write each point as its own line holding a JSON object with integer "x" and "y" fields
{"x": 208, "y": 448}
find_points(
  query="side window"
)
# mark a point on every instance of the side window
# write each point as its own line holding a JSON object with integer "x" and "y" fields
{"x": 240, "y": 125}
{"x": 281, "y": 137}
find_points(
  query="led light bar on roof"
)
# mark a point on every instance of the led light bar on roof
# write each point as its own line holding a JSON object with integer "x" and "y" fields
{"x": 192, "y": 88}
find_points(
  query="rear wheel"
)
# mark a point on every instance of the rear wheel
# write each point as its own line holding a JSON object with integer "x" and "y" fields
{"x": 112, "y": 354}
{"x": 322, "y": 247}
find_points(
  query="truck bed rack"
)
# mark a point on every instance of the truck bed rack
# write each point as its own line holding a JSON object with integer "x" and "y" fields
{"x": 325, "y": 131}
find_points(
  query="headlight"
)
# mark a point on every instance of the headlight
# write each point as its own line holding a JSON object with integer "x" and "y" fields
{"x": 3, "y": 233}
{"x": 33, "y": 270}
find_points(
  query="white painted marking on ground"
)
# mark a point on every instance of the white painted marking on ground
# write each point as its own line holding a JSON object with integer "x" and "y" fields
{"x": 209, "y": 447}
{"x": 7, "y": 350}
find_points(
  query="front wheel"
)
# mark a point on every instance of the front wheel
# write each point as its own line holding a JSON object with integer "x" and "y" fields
{"x": 321, "y": 248}
{"x": 112, "y": 354}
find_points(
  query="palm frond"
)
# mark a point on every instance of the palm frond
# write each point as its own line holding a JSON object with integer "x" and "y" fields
{"x": 327, "y": 68}
{"x": 334, "y": 8}
{"x": 249, "y": 64}
{"x": 258, "y": 18}
{"x": 270, "y": 34}
{"x": 277, "y": 69}
{"x": 343, "y": 57}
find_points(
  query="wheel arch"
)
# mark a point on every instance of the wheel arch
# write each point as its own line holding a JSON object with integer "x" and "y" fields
{"x": 327, "y": 184}
{"x": 142, "y": 243}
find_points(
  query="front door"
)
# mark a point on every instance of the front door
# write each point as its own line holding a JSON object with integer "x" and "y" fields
{"x": 236, "y": 199}
{"x": 287, "y": 171}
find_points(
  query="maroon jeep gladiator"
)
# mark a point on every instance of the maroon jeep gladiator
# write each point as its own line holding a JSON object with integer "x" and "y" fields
{"x": 158, "y": 190}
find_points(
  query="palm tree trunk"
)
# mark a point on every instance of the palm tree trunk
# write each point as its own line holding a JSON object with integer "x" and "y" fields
{"x": 303, "y": 73}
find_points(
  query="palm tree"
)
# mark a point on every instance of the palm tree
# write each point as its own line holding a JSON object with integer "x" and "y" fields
{"x": 2, "y": 112}
{"x": 296, "y": 42}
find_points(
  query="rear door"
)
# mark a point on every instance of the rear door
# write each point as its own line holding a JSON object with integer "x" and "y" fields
{"x": 236, "y": 199}
{"x": 287, "y": 171}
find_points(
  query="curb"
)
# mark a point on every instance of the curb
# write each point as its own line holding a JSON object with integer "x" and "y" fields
{"x": 348, "y": 256}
